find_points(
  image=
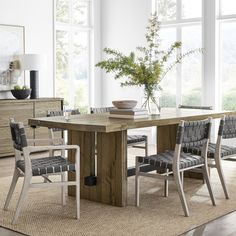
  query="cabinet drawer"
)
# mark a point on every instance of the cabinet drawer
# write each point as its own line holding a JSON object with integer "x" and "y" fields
{"x": 6, "y": 147}
{"x": 20, "y": 111}
{"x": 41, "y": 107}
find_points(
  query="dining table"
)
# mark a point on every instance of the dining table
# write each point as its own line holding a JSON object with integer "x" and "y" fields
{"x": 106, "y": 138}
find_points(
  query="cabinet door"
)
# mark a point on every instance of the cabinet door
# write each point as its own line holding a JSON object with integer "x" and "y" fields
{"x": 6, "y": 147}
{"x": 20, "y": 111}
{"x": 42, "y": 107}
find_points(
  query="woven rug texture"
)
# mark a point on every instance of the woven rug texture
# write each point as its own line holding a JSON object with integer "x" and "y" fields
{"x": 43, "y": 214}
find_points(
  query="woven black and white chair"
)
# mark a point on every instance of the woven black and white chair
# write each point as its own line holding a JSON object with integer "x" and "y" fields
{"x": 27, "y": 166}
{"x": 218, "y": 152}
{"x": 132, "y": 140}
{"x": 188, "y": 133}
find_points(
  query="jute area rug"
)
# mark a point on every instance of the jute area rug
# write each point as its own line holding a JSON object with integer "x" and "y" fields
{"x": 157, "y": 215}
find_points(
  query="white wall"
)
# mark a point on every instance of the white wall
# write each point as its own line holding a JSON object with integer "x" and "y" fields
{"x": 123, "y": 27}
{"x": 37, "y": 17}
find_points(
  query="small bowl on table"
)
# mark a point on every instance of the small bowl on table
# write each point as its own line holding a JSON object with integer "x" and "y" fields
{"x": 21, "y": 93}
{"x": 124, "y": 104}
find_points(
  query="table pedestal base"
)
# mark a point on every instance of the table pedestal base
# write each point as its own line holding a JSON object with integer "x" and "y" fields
{"x": 111, "y": 187}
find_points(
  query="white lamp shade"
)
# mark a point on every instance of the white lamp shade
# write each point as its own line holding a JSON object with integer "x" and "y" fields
{"x": 32, "y": 62}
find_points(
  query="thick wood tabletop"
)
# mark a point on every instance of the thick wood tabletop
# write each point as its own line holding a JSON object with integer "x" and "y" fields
{"x": 102, "y": 123}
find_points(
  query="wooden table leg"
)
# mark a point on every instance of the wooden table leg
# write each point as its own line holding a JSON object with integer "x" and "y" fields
{"x": 112, "y": 167}
{"x": 86, "y": 141}
{"x": 111, "y": 185}
{"x": 166, "y": 136}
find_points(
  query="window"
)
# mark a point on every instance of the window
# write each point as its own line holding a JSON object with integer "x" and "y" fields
{"x": 227, "y": 29}
{"x": 182, "y": 21}
{"x": 73, "y": 32}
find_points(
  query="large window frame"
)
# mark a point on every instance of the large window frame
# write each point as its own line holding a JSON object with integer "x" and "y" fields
{"x": 179, "y": 23}
{"x": 212, "y": 77}
{"x": 71, "y": 28}
{"x": 221, "y": 19}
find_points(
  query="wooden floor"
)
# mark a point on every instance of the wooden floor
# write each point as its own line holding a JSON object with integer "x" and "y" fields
{"x": 222, "y": 226}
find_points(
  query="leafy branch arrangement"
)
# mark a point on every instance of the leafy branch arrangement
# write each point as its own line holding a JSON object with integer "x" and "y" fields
{"x": 148, "y": 66}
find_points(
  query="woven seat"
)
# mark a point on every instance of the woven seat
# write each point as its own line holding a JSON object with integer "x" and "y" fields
{"x": 47, "y": 165}
{"x": 225, "y": 150}
{"x": 164, "y": 160}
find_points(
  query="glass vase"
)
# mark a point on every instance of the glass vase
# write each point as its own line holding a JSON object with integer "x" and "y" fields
{"x": 152, "y": 104}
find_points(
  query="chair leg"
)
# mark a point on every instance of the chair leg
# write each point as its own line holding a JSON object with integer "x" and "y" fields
{"x": 178, "y": 182}
{"x": 166, "y": 186}
{"x": 23, "y": 193}
{"x": 77, "y": 194}
{"x": 137, "y": 167}
{"x": 207, "y": 179}
{"x": 146, "y": 148}
{"x": 15, "y": 177}
{"x": 182, "y": 178}
{"x": 221, "y": 175}
{"x": 63, "y": 190}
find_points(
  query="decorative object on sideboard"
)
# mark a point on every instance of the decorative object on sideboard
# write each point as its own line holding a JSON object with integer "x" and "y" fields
{"x": 124, "y": 104}
{"x": 12, "y": 44}
{"x": 21, "y": 92}
{"x": 34, "y": 63}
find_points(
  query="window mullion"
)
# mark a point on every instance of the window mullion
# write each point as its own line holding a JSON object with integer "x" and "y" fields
{"x": 179, "y": 69}
{"x": 71, "y": 42}
{"x": 179, "y": 10}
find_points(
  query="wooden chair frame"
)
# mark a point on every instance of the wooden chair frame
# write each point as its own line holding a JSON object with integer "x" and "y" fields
{"x": 26, "y": 155}
{"x": 175, "y": 174}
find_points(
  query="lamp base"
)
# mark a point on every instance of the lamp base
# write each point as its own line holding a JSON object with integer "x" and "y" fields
{"x": 34, "y": 84}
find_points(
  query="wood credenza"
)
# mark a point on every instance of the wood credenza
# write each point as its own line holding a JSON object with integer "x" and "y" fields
{"x": 21, "y": 111}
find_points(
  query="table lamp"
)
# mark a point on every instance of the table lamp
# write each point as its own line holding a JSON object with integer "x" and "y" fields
{"x": 34, "y": 63}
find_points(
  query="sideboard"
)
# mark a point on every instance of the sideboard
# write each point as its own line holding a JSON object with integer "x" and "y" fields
{"x": 21, "y": 111}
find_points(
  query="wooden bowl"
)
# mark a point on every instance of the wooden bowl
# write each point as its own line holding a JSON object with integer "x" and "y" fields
{"x": 124, "y": 104}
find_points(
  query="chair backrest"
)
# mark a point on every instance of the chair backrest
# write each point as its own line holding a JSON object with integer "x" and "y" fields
{"x": 60, "y": 113}
{"x": 55, "y": 113}
{"x": 227, "y": 128}
{"x": 94, "y": 110}
{"x": 75, "y": 112}
{"x": 18, "y": 135}
{"x": 193, "y": 133}
{"x": 196, "y": 107}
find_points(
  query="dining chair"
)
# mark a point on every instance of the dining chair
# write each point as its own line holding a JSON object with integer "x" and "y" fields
{"x": 52, "y": 131}
{"x": 218, "y": 152}
{"x": 196, "y": 107}
{"x": 27, "y": 166}
{"x": 132, "y": 140}
{"x": 176, "y": 161}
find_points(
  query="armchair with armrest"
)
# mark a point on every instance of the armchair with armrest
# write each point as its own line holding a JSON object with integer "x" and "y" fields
{"x": 27, "y": 166}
